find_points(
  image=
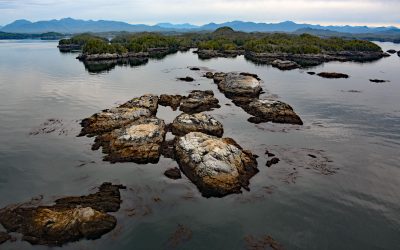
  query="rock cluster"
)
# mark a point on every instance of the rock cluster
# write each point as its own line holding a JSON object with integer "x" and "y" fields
{"x": 70, "y": 219}
{"x": 216, "y": 166}
{"x": 199, "y": 122}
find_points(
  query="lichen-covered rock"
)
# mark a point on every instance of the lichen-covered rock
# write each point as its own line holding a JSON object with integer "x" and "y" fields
{"x": 273, "y": 111}
{"x": 139, "y": 142}
{"x": 199, "y": 122}
{"x": 332, "y": 75}
{"x": 174, "y": 101}
{"x": 218, "y": 167}
{"x": 109, "y": 119}
{"x": 4, "y": 237}
{"x": 66, "y": 221}
{"x": 199, "y": 101}
{"x": 285, "y": 64}
{"x": 236, "y": 84}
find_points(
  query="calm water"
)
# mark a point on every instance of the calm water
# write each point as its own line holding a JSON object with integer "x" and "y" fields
{"x": 355, "y": 135}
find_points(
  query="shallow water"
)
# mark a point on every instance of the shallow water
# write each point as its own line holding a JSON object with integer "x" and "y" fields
{"x": 345, "y": 198}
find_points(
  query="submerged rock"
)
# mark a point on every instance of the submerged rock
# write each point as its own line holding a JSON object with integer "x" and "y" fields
{"x": 139, "y": 142}
{"x": 70, "y": 219}
{"x": 173, "y": 173}
{"x": 236, "y": 84}
{"x": 378, "y": 80}
{"x": 186, "y": 79}
{"x": 4, "y": 237}
{"x": 332, "y": 75}
{"x": 391, "y": 51}
{"x": 199, "y": 101}
{"x": 109, "y": 119}
{"x": 174, "y": 101}
{"x": 218, "y": 167}
{"x": 272, "y": 111}
{"x": 200, "y": 122}
{"x": 284, "y": 64}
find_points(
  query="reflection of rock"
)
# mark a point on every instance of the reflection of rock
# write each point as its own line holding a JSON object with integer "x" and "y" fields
{"x": 70, "y": 219}
{"x": 271, "y": 110}
{"x": 107, "y": 65}
{"x": 378, "y": 80}
{"x": 332, "y": 75}
{"x": 199, "y": 101}
{"x": 174, "y": 101}
{"x": 235, "y": 84}
{"x": 139, "y": 142}
{"x": 284, "y": 64}
{"x": 4, "y": 237}
{"x": 217, "y": 166}
{"x": 114, "y": 118}
{"x": 186, "y": 79}
{"x": 200, "y": 122}
{"x": 173, "y": 173}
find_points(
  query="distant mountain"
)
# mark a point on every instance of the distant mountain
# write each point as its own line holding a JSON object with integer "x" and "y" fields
{"x": 69, "y": 25}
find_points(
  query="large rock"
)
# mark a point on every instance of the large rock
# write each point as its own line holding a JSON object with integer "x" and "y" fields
{"x": 110, "y": 119}
{"x": 236, "y": 84}
{"x": 272, "y": 111}
{"x": 285, "y": 64}
{"x": 218, "y": 167}
{"x": 174, "y": 101}
{"x": 139, "y": 142}
{"x": 200, "y": 122}
{"x": 70, "y": 219}
{"x": 199, "y": 101}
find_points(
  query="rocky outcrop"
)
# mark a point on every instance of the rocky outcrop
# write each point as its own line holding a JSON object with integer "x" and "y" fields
{"x": 111, "y": 56}
{"x": 199, "y": 122}
{"x": 333, "y": 75}
{"x": 218, "y": 167}
{"x": 208, "y": 54}
{"x": 70, "y": 219}
{"x": 378, "y": 80}
{"x": 173, "y": 173}
{"x": 139, "y": 142}
{"x": 199, "y": 101}
{"x": 110, "y": 119}
{"x": 69, "y": 47}
{"x": 236, "y": 84}
{"x": 174, "y": 101}
{"x": 284, "y": 64}
{"x": 271, "y": 111}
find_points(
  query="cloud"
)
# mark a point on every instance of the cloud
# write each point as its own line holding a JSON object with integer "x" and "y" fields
{"x": 203, "y": 11}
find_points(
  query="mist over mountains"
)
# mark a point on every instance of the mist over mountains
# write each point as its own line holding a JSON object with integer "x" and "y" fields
{"x": 70, "y": 26}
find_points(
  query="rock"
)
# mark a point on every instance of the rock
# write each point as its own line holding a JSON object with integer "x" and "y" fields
{"x": 199, "y": 122}
{"x": 70, "y": 219}
{"x": 285, "y": 64}
{"x": 194, "y": 68}
{"x": 269, "y": 154}
{"x": 250, "y": 74}
{"x": 174, "y": 101}
{"x": 208, "y": 54}
{"x": 234, "y": 84}
{"x": 209, "y": 75}
{"x": 391, "y": 51}
{"x": 218, "y": 167}
{"x": 4, "y": 237}
{"x": 173, "y": 173}
{"x": 109, "y": 119}
{"x": 139, "y": 142}
{"x": 332, "y": 75}
{"x": 311, "y": 73}
{"x": 273, "y": 161}
{"x": 378, "y": 80}
{"x": 199, "y": 101}
{"x": 186, "y": 79}
{"x": 398, "y": 53}
{"x": 272, "y": 111}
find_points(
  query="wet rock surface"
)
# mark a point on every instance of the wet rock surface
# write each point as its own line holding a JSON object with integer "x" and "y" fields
{"x": 173, "y": 101}
{"x": 4, "y": 237}
{"x": 199, "y": 122}
{"x": 173, "y": 173}
{"x": 109, "y": 119}
{"x": 139, "y": 142}
{"x": 284, "y": 64}
{"x": 70, "y": 219}
{"x": 199, "y": 101}
{"x": 332, "y": 75}
{"x": 271, "y": 111}
{"x": 218, "y": 167}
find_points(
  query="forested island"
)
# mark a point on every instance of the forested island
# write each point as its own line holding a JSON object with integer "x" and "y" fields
{"x": 43, "y": 36}
{"x": 284, "y": 51}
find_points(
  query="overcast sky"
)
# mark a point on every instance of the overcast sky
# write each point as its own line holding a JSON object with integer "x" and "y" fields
{"x": 360, "y": 12}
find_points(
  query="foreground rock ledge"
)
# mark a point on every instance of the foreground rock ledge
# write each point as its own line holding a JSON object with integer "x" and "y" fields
{"x": 200, "y": 122}
{"x": 139, "y": 142}
{"x": 70, "y": 219}
{"x": 218, "y": 167}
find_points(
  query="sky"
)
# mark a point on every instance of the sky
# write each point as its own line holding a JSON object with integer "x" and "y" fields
{"x": 336, "y": 12}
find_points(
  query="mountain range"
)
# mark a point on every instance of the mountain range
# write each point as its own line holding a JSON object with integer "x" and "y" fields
{"x": 70, "y": 26}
